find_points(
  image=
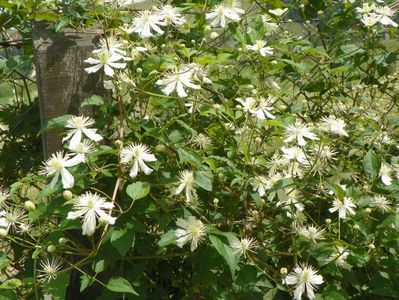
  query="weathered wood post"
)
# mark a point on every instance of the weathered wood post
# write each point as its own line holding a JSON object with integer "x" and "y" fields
{"x": 61, "y": 79}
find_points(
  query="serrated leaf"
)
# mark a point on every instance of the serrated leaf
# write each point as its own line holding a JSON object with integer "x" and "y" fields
{"x": 120, "y": 285}
{"x": 138, "y": 190}
{"x": 371, "y": 164}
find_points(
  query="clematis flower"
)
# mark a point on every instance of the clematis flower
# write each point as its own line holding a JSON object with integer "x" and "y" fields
{"x": 49, "y": 269}
{"x": 243, "y": 246}
{"x": 77, "y": 127}
{"x": 294, "y": 153}
{"x": 137, "y": 154}
{"x": 338, "y": 257}
{"x": 177, "y": 80}
{"x": 334, "y": 125}
{"x": 343, "y": 207}
{"x": 258, "y": 107}
{"x": 187, "y": 183}
{"x": 299, "y": 132}
{"x": 56, "y": 165}
{"x": 222, "y": 13}
{"x": 305, "y": 278}
{"x": 81, "y": 150}
{"x": 260, "y": 46}
{"x": 90, "y": 207}
{"x": 385, "y": 174}
{"x": 146, "y": 22}
{"x": 191, "y": 230}
{"x": 106, "y": 59}
{"x": 311, "y": 233}
{"x": 170, "y": 15}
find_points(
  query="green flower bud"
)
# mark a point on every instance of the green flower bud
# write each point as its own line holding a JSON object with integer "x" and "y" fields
{"x": 62, "y": 241}
{"x": 29, "y": 206}
{"x": 67, "y": 194}
{"x": 3, "y": 232}
{"x": 51, "y": 249}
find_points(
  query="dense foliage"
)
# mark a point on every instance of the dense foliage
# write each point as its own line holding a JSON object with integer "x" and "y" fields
{"x": 248, "y": 152}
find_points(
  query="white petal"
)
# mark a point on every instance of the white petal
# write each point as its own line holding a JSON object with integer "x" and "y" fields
{"x": 89, "y": 223}
{"x": 91, "y": 134}
{"x": 67, "y": 179}
{"x": 76, "y": 139}
{"x": 134, "y": 170}
{"x": 93, "y": 69}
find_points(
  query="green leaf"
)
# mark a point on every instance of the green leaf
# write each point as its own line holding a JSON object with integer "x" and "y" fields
{"x": 10, "y": 284}
{"x": 7, "y": 295}
{"x": 4, "y": 261}
{"x": 123, "y": 238}
{"x": 203, "y": 179}
{"x": 168, "y": 238}
{"x": 226, "y": 252}
{"x": 58, "y": 122}
{"x": 94, "y": 100}
{"x": 85, "y": 282}
{"x": 57, "y": 287}
{"x": 61, "y": 24}
{"x": 138, "y": 190}
{"x": 190, "y": 157}
{"x": 371, "y": 164}
{"x": 120, "y": 285}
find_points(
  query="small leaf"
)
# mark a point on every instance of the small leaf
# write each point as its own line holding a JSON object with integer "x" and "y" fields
{"x": 58, "y": 122}
{"x": 168, "y": 238}
{"x": 10, "y": 284}
{"x": 94, "y": 100}
{"x": 203, "y": 179}
{"x": 120, "y": 285}
{"x": 371, "y": 164}
{"x": 123, "y": 238}
{"x": 138, "y": 190}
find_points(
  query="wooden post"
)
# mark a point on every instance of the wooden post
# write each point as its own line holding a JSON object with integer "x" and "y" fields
{"x": 61, "y": 79}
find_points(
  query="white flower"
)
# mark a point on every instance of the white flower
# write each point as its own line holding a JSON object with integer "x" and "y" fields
{"x": 56, "y": 165}
{"x": 338, "y": 257}
{"x": 170, "y": 15}
{"x": 334, "y": 125}
{"x": 90, "y": 207}
{"x": 198, "y": 73}
{"x": 366, "y": 8}
{"x": 381, "y": 203}
{"x": 261, "y": 47}
{"x": 202, "y": 141}
{"x": 187, "y": 183}
{"x": 110, "y": 44}
{"x": 77, "y": 127}
{"x": 190, "y": 230}
{"x": 385, "y": 13}
{"x": 106, "y": 59}
{"x": 278, "y": 12}
{"x": 243, "y": 246}
{"x": 177, "y": 80}
{"x": 370, "y": 19}
{"x": 291, "y": 201}
{"x": 139, "y": 154}
{"x": 81, "y": 150}
{"x": 269, "y": 26}
{"x": 311, "y": 233}
{"x": 299, "y": 131}
{"x": 145, "y": 22}
{"x": 221, "y": 13}
{"x": 295, "y": 153}
{"x": 49, "y": 269}
{"x": 261, "y": 184}
{"x": 4, "y": 195}
{"x": 343, "y": 207}
{"x": 304, "y": 277}
{"x": 259, "y": 107}
{"x": 4, "y": 223}
{"x": 385, "y": 171}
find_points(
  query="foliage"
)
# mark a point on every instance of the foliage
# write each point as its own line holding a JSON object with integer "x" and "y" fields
{"x": 236, "y": 159}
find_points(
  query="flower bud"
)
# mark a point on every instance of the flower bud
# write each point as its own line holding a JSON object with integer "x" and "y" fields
{"x": 367, "y": 210}
{"x": 328, "y": 221}
{"x": 163, "y": 46}
{"x": 51, "y": 249}
{"x": 214, "y": 35}
{"x": 320, "y": 13}
{"x": 302, "y": 6}
{"x": 3, "y": 232}
{"x": 139, "y": 70}
{"x": 207, "y": 29}
{"x": 274, "y": 62}
{"x": 215, "y": 201}
{"x": 356, "y": 227}
{"x": 216, "y": 106}
{"x": 29, "y": 206}
{"x": 192, "y": 41}
{"x": 283, "y": 271}
{"x": 239, "y": 49}
{"x": 160, "y": 148}
{"x": 67, "y": 194}
{"x": 371, "y": 246}
{"x": 62, "y": 241}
